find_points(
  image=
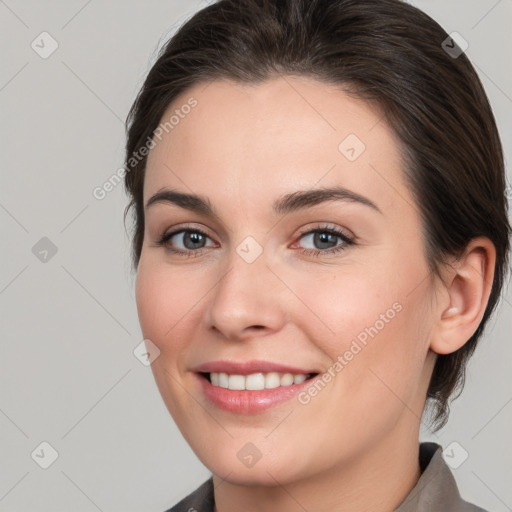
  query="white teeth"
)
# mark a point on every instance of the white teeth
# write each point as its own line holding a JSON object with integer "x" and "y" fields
{"x": 236, "y": 382}
{"x": 255, "y": 381}
{"x": 223, "y": 380}
{"x": 287, "y": 379}
{"x": 272, "y": 380}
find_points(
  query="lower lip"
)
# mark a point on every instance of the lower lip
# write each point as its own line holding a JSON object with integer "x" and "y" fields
{"x": 249, "y": 402}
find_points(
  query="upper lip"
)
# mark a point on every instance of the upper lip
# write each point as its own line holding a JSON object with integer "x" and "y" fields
{"x": 248, "y": 367}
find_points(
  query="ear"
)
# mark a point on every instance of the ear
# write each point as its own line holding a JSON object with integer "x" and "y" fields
{"x": 466, "y": 287}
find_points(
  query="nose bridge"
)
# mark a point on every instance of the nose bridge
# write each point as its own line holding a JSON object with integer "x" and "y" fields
{"x": 245, "y": 296}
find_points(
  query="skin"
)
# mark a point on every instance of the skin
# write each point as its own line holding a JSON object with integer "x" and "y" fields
{"x": 354, "y": 446}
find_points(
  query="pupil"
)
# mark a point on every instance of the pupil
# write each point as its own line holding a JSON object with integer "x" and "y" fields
{"x": 325, "y": 238}
{"x": 193, "y": 238}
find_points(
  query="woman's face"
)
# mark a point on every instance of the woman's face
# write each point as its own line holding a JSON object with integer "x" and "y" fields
{"x": 272, "y": 277}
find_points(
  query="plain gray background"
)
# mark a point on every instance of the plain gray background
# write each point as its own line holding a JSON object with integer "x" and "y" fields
{"x": 68, "y": 375}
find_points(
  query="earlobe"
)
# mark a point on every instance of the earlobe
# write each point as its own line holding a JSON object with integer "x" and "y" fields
{"x": 468, "y": 286}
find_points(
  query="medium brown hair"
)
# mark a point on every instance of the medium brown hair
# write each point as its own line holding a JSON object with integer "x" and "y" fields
{"x": 382, "y": 50}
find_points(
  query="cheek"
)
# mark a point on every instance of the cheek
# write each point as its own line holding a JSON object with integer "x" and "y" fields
{"x": 165, "y": 306}
{"x": 373, "y": 327}
{"x": 346, "y": 305}
{"x": 165, "y": 298}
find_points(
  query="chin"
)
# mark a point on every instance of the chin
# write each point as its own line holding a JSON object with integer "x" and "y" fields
{"x": 270, "y": 470}
{"x": 251, "y": 477}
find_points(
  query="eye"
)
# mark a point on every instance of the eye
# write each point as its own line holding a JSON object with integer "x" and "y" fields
{"x": 191, "y": 241}
{"x": 325, "y": 240}
{"x": 185, "y": 241}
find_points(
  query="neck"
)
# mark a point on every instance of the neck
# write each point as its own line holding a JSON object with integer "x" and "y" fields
{"x": 378, "y": 479}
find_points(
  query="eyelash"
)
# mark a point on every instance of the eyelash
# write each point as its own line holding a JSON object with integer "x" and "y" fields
{"x": 347, "y": 241}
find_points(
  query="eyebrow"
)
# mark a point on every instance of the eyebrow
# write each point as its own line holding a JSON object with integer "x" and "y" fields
{"x": 294, "y": 201}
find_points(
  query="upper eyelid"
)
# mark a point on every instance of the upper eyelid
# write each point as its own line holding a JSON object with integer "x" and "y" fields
{"x": 220, "y": 227}
{"x": 326, "y": 226}
{"x": 181, "y": 229}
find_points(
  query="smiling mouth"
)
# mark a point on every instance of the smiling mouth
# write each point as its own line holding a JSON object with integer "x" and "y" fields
{"x": 255, "y": 381}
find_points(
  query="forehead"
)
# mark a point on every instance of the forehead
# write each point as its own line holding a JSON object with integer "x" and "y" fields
{"x": 270, "y": 138}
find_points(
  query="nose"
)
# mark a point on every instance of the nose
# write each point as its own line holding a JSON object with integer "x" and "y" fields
{"x": 246, "y": 301}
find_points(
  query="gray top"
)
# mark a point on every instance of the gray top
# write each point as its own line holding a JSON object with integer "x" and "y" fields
{"x": 435, "y": 491}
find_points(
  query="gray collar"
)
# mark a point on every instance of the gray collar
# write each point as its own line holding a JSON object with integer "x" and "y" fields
{"x": 436, "y": 489}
